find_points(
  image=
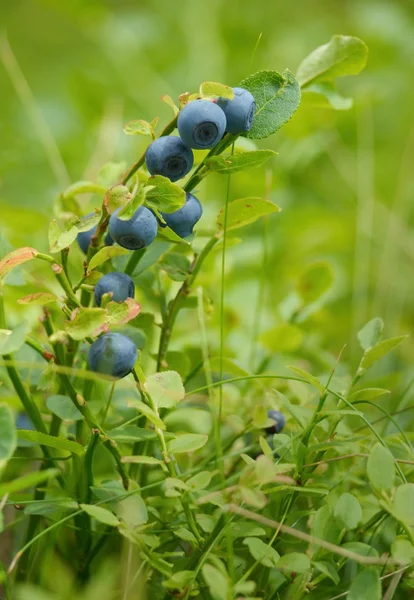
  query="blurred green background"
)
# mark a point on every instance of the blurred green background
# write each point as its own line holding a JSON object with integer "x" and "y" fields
{"x": 343, "y": 179}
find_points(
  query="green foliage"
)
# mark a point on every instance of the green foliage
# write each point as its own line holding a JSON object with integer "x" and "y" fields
{"x": 8, "y": 438}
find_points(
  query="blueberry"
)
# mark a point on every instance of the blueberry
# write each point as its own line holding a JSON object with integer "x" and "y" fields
{"x": 113, "y": 354}
{"x": 120, "y": 284}
{"x": 137, "y": 232}
{"x": 23, "y": 421}
{"x": 239, "y": 111}
{"x": 183, "y": 220}
{"x": 201, "y": 124}
{"x": 84, "y": 238}
{"x": 170, "y": 157}
{"x": 279, "y": 420}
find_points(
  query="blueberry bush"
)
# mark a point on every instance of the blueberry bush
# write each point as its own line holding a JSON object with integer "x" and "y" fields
{"x": 137, "y": 465}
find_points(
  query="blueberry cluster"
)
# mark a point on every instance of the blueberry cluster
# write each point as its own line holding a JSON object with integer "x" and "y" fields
{"x": 201, "y": 124}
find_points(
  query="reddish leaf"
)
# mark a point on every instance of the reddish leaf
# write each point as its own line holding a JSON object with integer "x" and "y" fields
{"x": 15, "y": 258}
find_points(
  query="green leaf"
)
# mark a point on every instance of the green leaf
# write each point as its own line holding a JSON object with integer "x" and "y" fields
{"x": 144, "y": 460}
{"x": 86, "y": 223}
{"x": 102, "y": 515}
{"x": 120, "y": 313}
{"x": 27, "y": 481}
{"x": 111, "y": 173}
{"x": 168, "y": 100}
{"x": 132, "y": 434}
{"x": 54, "y": 507}
{"x": 38, "y": 299}
{"x": 176, "y": 265}
{"x": 174, "y": 487}
{"x": 164, "y": 195}
{"x": 85, "y": 322}
{"x": 63, "y": 407}
{"x": 8, "y": 437}
{"x": 325, "y": 95}
{"x": 285, "y": 337}
{"x": 348, "y": 511}
{"x": 83, "y": 187}
{"x": 380, "y": 350}
{"x": 188, "y": 442}
{"x": 201, "y": 481}
{"x": 51, "y": 441}
{"x": 241, "y": 529}
{"x": 16, "y": 258}
{"x": 314, "y": 281}
{"x": 404, "y": 503}
{"x": 150, "y": 414}
{"x": 294, "y": 562}
{"x": 179, "y": 581}
{"x": 60, "y": 239}
{"x": 166, "y": 389}
{"x": 367, "y": 394}
{"x": 130, "y": 208}
{"x": 132, "y": 510}
{"x": 11, "y": 341}
{"x": 217, "y": 582}
{"x": 371, "y": 333}
{"x": 310, "y": 378}
{"x": 402, "y": 550}
{"x": 263, "y": 553}
{"x": 381, "y": 468}
{"x": 116, "y": 197}
{"x": 186, "y": 535}
{"x": 328, "y": 569}
{"x": 277, "y": 98}
{"x": 104, "y": 254}
{"x": 366, "y": 586}
{"x": 342, "y": 55}
{"x": 210, "y": 89}
{"x": 228, "y": 365}
{"x": 245, "y": 211}
{"x": 138, "y": 127}
{"x": 165, "y": 233}
{"x": 243, "y": 161}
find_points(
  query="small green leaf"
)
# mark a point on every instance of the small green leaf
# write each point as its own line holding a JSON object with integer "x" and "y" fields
{"x": 242, "y": 161}
{"x": 309, "y": 377}
{"x": 328, "y": 569}
{"x": 245, "y": 211}
{"x": 116, "y": 197}
{"x": 83, "y": 187}
{"x": 342, "y": 55}
{"x": 277, "y": 98}
{"x": 166, "y": 389}
{"x": 27, "y": 481}
{"x": 132, "y": 510}
{"x": 241, "y": 529}
{"x": 138, "y": 127}
{"x": 201, "y": 481}
{"x": 176, "y": 265}
{"x": 366, "y": 586}
{"x": 380, "y": 350}
{"x": 85, "y": 322}
{"x": 381, "y": 468}
{"x": 348, "y": 511}
{"x": 404, "y": 503}
{"x": 86, "y": 223}
{"x": 104, "y": 254}
{"x": 38, "y": 299}
{"x": 402, "y": 550}
{"x": 217, "y": 582}
{"x": 16, "y": 258}
{"x": 188, "y": 442}
{"x": 164, "y": 195}
{"x": 51, "y": 441}
{"x": 8, "y": 437}
{"x": 60, "y": 239}
{"x": 168, "y": 100}
{"x": 314, "y": 281}
{"x": 63, "y": 407}
{"x": 130, "y": 208}
{"x": 150, "y": 414}
{"x": 186, "y": 535}
{"x": 325, "y": 95}
{"x": 294, "y": 562}
{"x": 11, "y": 341}
{"x": 102, "y": 515}
{"x": 210, "y": 89}
{"x": 144, "y": 460}
{"x": 371, "y": 333}
{"x": 263, "y": 553}
{"x": 174, "y": 487}
{"x": 132, "y": 434}
{"x": 285, "y": 337}
{"x": 367, "y": 394}
{"x": 120, "y": 313}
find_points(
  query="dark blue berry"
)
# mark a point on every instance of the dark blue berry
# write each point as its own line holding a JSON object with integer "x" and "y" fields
{"x": 135, "y": 233}
{"x": 201, "y": 124}
{"x": 170, "y": 157}
{"x": 279, "y": 421}
{"x": 119, "y": 284}
{"x": 239, "y": 111}
{"x": 84, "y": 238}
{"x": 113, "y": 354}
{"x": 183, "y": 220}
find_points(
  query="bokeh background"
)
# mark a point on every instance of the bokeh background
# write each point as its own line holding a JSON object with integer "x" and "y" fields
{"x": 343, "y": 179}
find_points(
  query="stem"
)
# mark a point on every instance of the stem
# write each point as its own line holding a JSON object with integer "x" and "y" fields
{"x": 202, "y": 169}
{"x": 133, "y": 261}
{"x": 169, "y": 128}
{"x": 39, "y": 348}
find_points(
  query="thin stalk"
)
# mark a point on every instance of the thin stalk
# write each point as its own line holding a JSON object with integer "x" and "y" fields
{"x": 133, "y": 261}
{"x": 202, "y": 169}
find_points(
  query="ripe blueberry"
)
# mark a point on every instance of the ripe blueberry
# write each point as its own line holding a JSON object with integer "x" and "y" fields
{"x": 201, "y": 124}
{"x": 279, "y": 420}
{"x": 137, "y": 232}
{"x": 113, "y": 354}
{"x": 239, "y": 111}
{"x": 119, "y": 284}
{"x": 170, "y": 157}
{"x": 84, "y": 238}
{"x": 183, "y": 220}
